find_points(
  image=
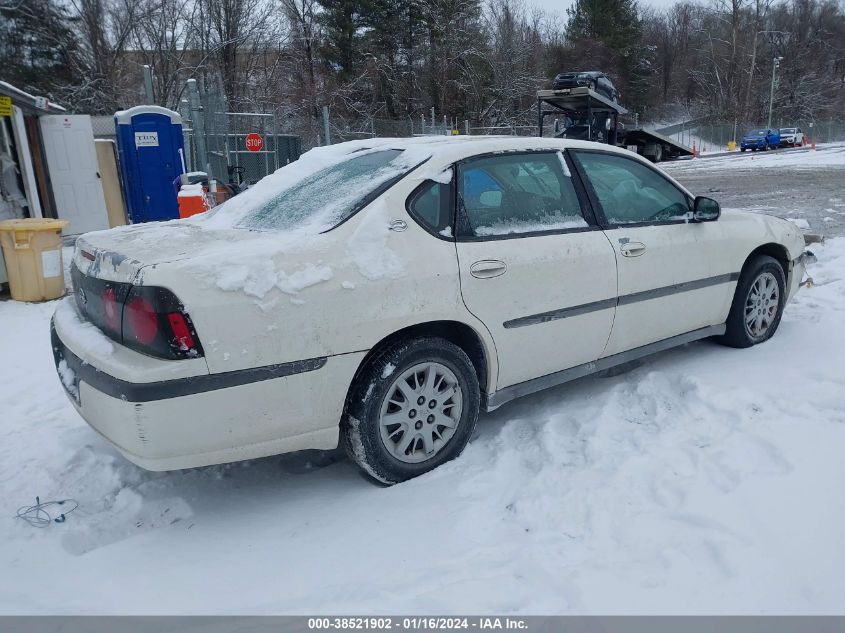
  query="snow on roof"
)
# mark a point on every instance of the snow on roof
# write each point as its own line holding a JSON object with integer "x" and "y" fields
{"x": 125, "y": 116}
{"x": 431, "y": 154}
{"x": 447, "y": 149}
{"x": 15, "y": 92}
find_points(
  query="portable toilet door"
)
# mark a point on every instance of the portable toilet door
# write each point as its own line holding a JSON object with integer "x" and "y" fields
{"x": 151, "y": 150}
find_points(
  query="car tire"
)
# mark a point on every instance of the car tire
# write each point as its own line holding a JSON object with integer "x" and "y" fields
{"x": 385, "y": 433}
{"x": 766, "y": 147}
{"x": 757, "y": 305}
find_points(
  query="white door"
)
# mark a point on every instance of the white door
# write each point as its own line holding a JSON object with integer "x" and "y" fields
{"x": 74, "y": 174}
{"x": 671, "y": 279}
{"x": 534, "y": 268}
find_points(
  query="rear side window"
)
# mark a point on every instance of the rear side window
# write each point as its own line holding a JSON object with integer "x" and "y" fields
{"x": 430, "y": 205}
{"x": 630, "y": 192}
{"x": 511, "y": 194}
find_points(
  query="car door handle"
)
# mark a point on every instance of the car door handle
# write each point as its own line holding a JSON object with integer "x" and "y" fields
{"x": 632, "y": 249}
{"x": 487, "y": 268}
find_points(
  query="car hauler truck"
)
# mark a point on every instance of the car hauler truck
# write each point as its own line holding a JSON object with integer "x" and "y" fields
{"x": 582, "y": 113}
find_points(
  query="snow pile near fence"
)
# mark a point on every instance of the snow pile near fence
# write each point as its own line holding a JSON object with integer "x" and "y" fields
{"x": 828, "y": 155}
{"x": 705, "y": 480}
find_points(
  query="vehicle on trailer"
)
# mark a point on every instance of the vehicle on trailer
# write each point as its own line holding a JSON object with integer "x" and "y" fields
{"x": 584, "y": 114}
{"x": 792, "y": 137}
{"x": 593, "y": 79}
{"x": 762, "y": 139}
{"x": 380, "y": 293}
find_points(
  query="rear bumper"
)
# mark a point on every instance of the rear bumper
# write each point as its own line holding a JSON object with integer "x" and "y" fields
{"x": 210, "y": 419}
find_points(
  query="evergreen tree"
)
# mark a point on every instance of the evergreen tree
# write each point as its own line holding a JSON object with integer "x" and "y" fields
{"x": 615, "y": 27}
{"x": 37, "y": 45}
{"x": 614, "y": 23}
{"x": 342, "y": 21}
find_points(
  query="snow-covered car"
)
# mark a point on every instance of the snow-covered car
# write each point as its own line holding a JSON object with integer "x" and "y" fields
{"x": 792, "y": 137}
{"x": 380, "y": 293}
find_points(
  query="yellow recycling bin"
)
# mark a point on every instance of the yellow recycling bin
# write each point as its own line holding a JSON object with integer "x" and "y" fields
{"x": 32, "y": 249}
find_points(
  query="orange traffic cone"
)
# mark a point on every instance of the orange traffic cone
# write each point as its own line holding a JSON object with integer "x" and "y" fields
{"x": 694, "y": 151}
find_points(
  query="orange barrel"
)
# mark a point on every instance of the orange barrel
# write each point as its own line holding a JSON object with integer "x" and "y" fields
{"x": 191, "y": 200}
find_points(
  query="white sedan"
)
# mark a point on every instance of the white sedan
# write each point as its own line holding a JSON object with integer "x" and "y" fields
{"x": 380, "y": 294}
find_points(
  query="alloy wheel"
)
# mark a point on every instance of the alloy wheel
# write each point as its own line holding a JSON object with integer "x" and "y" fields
{"x": 761, "y": 305}
{"x": 420, "y": 413}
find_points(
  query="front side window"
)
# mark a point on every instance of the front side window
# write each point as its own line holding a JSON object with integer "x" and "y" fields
{"x": 630, "y": 192}
{"x": 517, "y": 193}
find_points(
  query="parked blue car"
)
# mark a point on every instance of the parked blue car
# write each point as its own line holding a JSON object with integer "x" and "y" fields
{"x": 760, "y": 139}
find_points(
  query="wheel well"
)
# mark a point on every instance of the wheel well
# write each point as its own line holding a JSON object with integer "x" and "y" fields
{"x": 777, "y": 251}
{"x": 455, "y": 332}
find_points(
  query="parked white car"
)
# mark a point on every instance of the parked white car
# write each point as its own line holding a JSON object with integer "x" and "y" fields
{"x": 792, "y": 137}
{"x": 378, "y": 294}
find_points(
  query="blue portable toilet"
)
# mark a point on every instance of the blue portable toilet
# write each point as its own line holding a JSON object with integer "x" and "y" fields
{"x": 151, "y": 150}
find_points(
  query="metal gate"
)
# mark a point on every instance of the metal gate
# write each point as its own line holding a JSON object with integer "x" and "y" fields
{"x": 224, "y": 134}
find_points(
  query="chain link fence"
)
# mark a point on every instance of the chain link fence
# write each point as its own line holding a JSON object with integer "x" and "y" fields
{"x": 715, "y": 136}
{"x": 239, "y": 146}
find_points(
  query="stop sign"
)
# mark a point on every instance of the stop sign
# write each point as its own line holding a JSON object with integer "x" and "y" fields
{"x": 254, "y": 142}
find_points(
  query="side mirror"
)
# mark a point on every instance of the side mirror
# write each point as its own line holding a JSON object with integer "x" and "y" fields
{"x": 705, "y": 209}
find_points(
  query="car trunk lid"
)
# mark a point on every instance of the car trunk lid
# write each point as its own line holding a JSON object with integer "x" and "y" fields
{"x": 118, "y": 255}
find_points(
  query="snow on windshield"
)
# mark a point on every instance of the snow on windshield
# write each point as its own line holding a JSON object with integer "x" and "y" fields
{"x": 317, "y": 192}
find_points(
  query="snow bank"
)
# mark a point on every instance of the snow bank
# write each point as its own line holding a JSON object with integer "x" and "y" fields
{"x": 825, "y": 156}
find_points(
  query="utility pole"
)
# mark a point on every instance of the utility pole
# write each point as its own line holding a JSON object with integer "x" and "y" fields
{"x": 198, "y": 124}
{"x": 775, "y": 66}
{"x": 148, "y": 85}
{"x": 326, "y": 129}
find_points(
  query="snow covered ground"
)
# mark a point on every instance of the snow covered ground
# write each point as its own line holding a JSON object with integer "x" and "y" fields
{"x": 825, "y": 155}
{"x": 705, "y": 480}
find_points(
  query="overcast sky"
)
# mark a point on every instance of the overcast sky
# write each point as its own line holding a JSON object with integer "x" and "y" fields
{"x": 560, "y": 6}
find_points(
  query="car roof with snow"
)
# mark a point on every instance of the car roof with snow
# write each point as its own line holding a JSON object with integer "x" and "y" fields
{"x": 448, "y": 149}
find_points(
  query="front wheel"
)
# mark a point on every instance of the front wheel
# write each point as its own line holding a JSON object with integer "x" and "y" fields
{"x": 757, "y": 304}
{"x": 413, "y": 407}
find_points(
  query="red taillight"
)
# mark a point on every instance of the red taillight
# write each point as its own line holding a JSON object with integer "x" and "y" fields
{"x": 181, "y": 332}
{"x": 140, "y": 321}
{"x": 111, "y": 310}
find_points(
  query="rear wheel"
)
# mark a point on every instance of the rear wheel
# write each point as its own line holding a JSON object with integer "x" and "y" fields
{"x": 758, "y": 303}
{"x": 413, "y": 408}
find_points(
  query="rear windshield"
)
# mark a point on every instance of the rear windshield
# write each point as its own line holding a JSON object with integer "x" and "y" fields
{"x": 329, "y": 196}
